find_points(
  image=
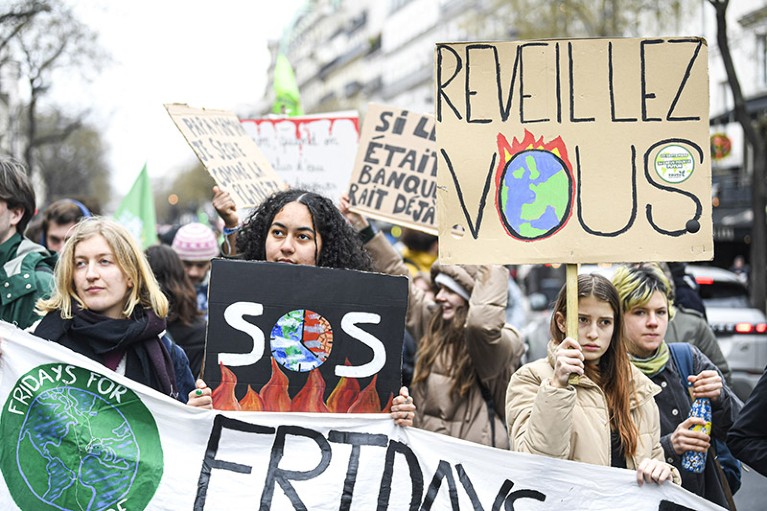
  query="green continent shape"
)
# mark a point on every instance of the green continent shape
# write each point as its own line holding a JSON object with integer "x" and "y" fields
{"x": 552, "y": 192}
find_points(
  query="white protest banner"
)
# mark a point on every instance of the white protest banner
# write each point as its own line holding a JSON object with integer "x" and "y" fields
{"x": 312, "y": 152}
{"x": 573, "y": 151}
{"x": 227, "y": 152}
{"x": 77, "y": 436}
{"x": 395, "y": 173}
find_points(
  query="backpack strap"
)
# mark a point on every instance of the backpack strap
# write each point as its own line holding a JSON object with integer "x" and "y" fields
{"x": 681, "y": 352}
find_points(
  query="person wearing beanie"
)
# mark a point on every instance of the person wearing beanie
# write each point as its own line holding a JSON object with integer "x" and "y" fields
{"x": 196, "y": 245}
{"x": 466, "y": 352}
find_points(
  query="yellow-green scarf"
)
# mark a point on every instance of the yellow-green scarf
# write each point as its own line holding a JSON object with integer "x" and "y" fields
{"x": 654, "y": 364}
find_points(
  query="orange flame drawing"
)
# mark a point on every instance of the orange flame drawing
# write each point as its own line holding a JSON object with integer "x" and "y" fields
{"x": 274, "y": 393}
{"x": 309, "y": 398}
{"x": 387, "y": 406}
{"x": 344, "y": 394}
{"x": 223, "y": 395}
{"x": 368, "y": 400}
{"x": 507, "y": 151}
{"x": 252, "y": 402}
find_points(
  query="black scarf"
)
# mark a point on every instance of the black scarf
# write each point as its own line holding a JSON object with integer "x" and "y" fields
{"x": 95, "y": 336}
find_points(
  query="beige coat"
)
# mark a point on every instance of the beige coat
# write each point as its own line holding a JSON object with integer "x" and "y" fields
{"x": 494, "y": 346}
{"x": 573, "y": 423}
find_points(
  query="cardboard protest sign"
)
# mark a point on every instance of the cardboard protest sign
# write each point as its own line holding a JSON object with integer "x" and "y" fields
{"x": 228, "y": 153}
{"x": 285, "y": 337}
{"x": 79, "y": 436}
{"x": 313, "y": 152}
{"x": 573, "y": 151}
{"x": 395, "y": 171}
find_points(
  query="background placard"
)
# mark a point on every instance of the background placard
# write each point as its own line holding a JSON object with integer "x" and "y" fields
{"x": 312, "y": 152}
{"x": 228, "y": 153}
{"x": 395, "y": 172}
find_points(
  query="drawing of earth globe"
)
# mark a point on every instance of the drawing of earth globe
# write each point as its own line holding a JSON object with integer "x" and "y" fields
{"x": 534, "y": 194}
{"x": 301, "y": 340}
{"x": 77, "y": 449}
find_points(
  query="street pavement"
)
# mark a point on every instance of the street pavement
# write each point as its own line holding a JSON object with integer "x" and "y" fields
{"x": 752, "y": 495}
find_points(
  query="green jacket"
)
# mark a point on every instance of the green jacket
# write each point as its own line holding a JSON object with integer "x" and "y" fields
{"x": 26, "y": 275}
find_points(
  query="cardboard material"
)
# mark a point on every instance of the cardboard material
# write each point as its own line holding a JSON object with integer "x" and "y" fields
{"x": 302, "y": 338}
{"x": 314, "y": 152}
{"x": 573, "y": 151}
{"x": 395, "y": 172}
{"x": 228, "y": 153}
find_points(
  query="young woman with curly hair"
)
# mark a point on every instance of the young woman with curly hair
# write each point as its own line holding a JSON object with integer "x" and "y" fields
{"x": 293, "y": 226}
{"x": 609, "y": 416}
{"x": 296, "y": 227}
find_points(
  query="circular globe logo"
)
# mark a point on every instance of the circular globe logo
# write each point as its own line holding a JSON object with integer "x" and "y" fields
{"x": 534, "y": 194}
{"x": 301, "y": 340}
{"x": 76, "y": 440}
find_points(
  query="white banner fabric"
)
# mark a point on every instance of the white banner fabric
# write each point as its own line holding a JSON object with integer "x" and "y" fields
{"x": 78, "y": 436}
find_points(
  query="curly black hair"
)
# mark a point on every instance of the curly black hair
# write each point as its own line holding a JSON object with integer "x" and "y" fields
{"x": 341, "y": 245}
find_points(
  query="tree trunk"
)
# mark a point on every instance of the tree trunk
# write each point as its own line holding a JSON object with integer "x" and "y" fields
{"x": 759, "y": 163}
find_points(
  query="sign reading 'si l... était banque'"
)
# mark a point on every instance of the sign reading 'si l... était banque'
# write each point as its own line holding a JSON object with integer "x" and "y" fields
{"x": 573, "y": 151}
{"x": 228, "y": 153}
{"x": 395, "y": 173}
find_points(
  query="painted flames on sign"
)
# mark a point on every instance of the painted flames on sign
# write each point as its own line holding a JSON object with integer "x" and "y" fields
{"x": 274, "y": 397}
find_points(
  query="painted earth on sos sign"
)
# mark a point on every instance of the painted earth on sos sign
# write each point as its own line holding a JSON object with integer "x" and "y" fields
{"x": 534, "y": 194}
{"x": 76, "y": 440}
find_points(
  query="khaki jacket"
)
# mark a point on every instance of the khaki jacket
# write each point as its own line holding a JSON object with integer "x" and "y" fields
{"x": 573, "y": 423}
{"x": 494, "y": 346}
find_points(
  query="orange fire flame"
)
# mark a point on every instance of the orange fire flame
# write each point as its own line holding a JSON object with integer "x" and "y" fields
{"x": 367, "y": 401}
{"x": 252, "y": 402}
{"x": 223, "y": 395}
{"x": 507, "y": 151}
{"x": 310, "y": 398}
{"x": 387, "y": 406}
{"x": 344, "y": 394}
{"x": 274, "y": 393}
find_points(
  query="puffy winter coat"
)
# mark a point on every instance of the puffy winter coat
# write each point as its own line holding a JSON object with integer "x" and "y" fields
{"x": 573, "y": 423}
{"x": 494, "y": 346}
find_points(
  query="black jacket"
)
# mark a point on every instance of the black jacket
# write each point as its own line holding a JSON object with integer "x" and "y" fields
{"x": 747, "y": 438}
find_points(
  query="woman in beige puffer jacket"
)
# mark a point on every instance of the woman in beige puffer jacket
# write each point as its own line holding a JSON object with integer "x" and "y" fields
{"x": 608, "y": 415}
{"x": 464, "y": 345}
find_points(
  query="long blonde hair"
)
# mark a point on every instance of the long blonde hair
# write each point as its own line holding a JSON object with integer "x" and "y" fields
{"x": 145, "y": 291}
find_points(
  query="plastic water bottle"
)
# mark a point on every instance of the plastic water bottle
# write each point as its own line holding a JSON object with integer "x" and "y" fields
{"x": 694, "y": 461}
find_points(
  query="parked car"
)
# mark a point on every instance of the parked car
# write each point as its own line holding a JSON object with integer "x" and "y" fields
{"x": 740, "y": 328}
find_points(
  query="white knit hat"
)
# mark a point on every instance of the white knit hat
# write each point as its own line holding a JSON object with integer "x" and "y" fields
{"x": 443, "y": 279}
{"x": 195, "y": 242}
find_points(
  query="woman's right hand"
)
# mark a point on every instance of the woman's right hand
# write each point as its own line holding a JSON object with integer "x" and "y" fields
{"x": 200, "y": 397}
{"x": 225, "y": 207}
{"x": 569, "y": 360}
{"x": 358, "y": 221}
{"x": 683, "y": 439}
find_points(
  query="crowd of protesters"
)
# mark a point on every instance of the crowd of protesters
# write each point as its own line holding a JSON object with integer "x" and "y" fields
{"x": 611, "y": 395}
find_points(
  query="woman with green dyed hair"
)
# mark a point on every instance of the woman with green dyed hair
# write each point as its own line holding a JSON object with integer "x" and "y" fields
{"x": 646, "y": 302}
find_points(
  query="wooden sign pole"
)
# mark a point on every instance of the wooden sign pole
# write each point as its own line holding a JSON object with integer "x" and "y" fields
{"x": 572, "y": 310}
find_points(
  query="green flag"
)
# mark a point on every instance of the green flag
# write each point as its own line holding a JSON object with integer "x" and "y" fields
{"x": 287, "y": 98}
{"x": 136, "y": 211}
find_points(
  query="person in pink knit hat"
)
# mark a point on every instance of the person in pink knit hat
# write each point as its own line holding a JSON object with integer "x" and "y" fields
{"x": 196, "y": 245}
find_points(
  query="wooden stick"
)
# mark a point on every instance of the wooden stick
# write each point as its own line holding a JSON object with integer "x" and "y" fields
{"x": 572, "y": 311}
